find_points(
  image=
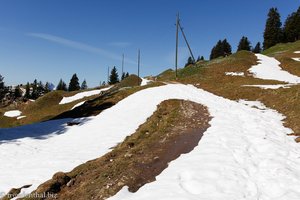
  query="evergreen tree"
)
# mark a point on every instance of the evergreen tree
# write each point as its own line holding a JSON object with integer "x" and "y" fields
{"x": 222, "y": 48}
{"x": 127, "y": 75}
{"x": 123, "y": 76}
{"x": 226, "y": 47}
{"x": 103, "y": 83}
{"x": 34, "y": 94}
{"x": 114, "y": 77}
{"x": 202, "y": 58}
{"x": 47, "y": 87}
{"x": 2, "y": 87}
{"x": 74, "y": 83}
{"x": 17, "y": 93}
{"x": 257, "y": 48}
{"x": 27, "y": 93}
{"x": 189, "y": 61}
{"x": 291, "y": 28}
{"x": 40, "y": 89}
{"x": 61, "y": 85}
{"x": 84, "y": 85}
{"x": 244, "y": 44}
{"x": 273, "y": 33}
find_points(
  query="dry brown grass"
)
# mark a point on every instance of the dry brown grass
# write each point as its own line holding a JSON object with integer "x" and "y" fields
{"x": 210, "y": 76}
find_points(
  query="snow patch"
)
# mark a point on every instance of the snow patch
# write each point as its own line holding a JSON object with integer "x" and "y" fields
{"x": 235, "y": 73}
{"x": 268, "y": 68}
{"x": 297, "y": 52}
{"x": 21, "y": 117}
{"x": 82, "y": 95}
{"x": 12, "y": 113}
{"x": 270, "y": 86}
{"x": 296, "y": 59}
{"x": 77, "y": 105}
{"x": 145, "y": 81}
{"x": 245, "y": 154}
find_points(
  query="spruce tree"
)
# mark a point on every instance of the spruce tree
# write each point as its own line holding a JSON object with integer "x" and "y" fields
{"x": 222, "y": 48}
{"x": 61, "y": 85}
{"x": 273, "y": 33}
{"x": 127, "y": 75}
{"x": 40, "y": 89}
{"x": 189, "y": 61}
{"x": 226, "y": 47}
{"x": 17, "y": 93}
{"x": 34, "y": 94}
{"x": 202, "y": 58}
{"x": 47, "y": 87}
{"x": 123, "y": 76}
{"x": 114, "y": 77}
{"x": 74, "y": 83}
{"x": 84, "y": 85}
{"x": 2, "y": 87}
{"x": 257, "y": 48}
{"x": 244, "y": 44}
{"x": 27, "y": 93}
{"x": 291, "y": 28}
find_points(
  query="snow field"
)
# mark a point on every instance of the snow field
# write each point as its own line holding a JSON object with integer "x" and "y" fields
{"x": 145, "y": 81}
{"x": 245, "y": 154}
{"x": 12, "y": 113}
{"x": 82, "y": 95}
{"x": 268, "y": 68}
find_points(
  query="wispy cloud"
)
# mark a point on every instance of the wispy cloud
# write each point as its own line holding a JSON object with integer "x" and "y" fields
{"x": 120, "y": 44}
{"x": 80, "y": 46}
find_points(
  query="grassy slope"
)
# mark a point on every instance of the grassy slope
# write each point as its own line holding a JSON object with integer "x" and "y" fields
{"x": 47, "y": 107}
{"x": 210, "y": 76}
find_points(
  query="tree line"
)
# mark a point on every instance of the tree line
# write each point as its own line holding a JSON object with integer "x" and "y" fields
{"x": 274, "y": 33}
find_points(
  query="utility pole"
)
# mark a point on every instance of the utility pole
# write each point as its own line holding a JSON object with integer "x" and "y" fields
{"x": 186, "y": 41}
{"x": 122, "y": 63}
{"x": 139, "y": 59}
{"x": 176, "y": 52}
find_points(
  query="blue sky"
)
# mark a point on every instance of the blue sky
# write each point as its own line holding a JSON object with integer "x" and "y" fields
{"x": 52, "y": 39}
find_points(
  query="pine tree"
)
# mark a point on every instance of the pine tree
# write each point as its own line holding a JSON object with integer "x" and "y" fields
{"x": 74, "y": 83}
{"x": 127, "y": 75}
{"x": 273, "y": 33}
{"x": 222, "y": 48}
{"x": 257, "y": 48}
{"x": 244, "y": 44}
{"x": 123, "y": 76}
{"x": 2, "y": 87}
{"x": 27, "y": 93}
{"x": 114, "y": 77}
{"x": 61, "y": 85}
{"x": 103, "y": 83}
{"x": 189, "y": 61}
{"x": 84, "y": 85}
{"x": 291, "y": 28}
{"x": 202, "y": 58}
{"x": 226, "y": 47}
{"x": 47, "y": 87}
{"x": 40, "y": 89}
{"x": 34, "y": 94}
{"x": 17, "y": 93}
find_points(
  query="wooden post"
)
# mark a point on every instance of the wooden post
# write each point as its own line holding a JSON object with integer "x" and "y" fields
{"x": 176, "y": 51}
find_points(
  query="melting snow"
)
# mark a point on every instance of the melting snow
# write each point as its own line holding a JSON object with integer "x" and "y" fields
{"x": 21, "y": 117}
{"x": 82, "y": 95}
{"x": 234, "y": 73}
{"x": 145, "y": 81}
{"x": 77, "y": 105}
{"x": 245, "y": 154}
{"x": 268, "y": 68}
{"x": 297, "y": 52}
{"x": 13, "y": 113}
{"x": 270, "y": 86}
{"x": 296, "y": 59}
